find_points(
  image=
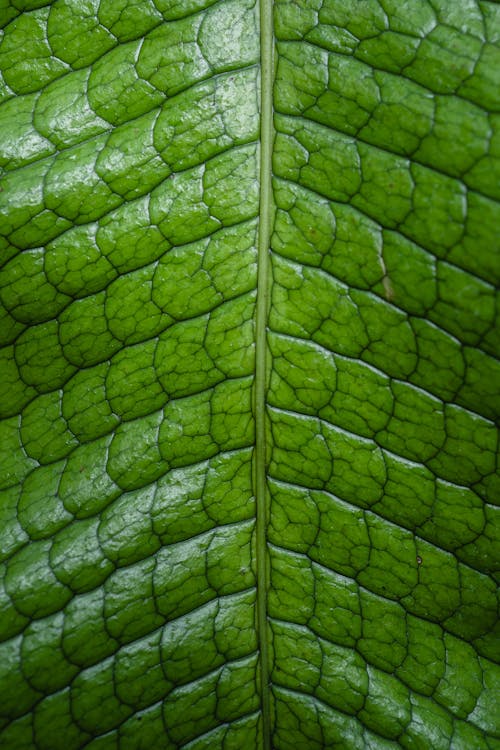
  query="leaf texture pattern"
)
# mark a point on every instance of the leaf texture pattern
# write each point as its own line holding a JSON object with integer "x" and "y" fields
{"x": 249, "y": 429}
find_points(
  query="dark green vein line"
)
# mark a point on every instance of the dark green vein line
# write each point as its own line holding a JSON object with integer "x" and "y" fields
{"x": 394, "y": 230}
{"x": 307, "y": 117}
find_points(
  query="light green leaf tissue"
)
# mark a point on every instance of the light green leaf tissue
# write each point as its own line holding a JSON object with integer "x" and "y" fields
{"x": 249, "y": 374}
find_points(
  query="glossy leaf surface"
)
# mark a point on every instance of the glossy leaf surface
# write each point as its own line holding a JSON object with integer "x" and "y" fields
{"x": 249, "y": 374}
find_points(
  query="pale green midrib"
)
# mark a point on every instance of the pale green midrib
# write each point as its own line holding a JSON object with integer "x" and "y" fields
{"x": 266, "y": 214}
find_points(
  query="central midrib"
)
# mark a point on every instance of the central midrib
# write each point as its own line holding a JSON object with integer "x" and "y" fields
{"x": 264, "y": 237}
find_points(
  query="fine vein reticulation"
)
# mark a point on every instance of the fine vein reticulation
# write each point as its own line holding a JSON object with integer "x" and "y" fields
{"x": 249, "y": 366}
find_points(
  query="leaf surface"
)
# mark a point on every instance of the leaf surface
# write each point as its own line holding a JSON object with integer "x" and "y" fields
{"x": 249, "y": 374}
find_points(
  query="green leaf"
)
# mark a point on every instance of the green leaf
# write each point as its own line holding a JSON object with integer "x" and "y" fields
{"x": 249, "y": 374}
